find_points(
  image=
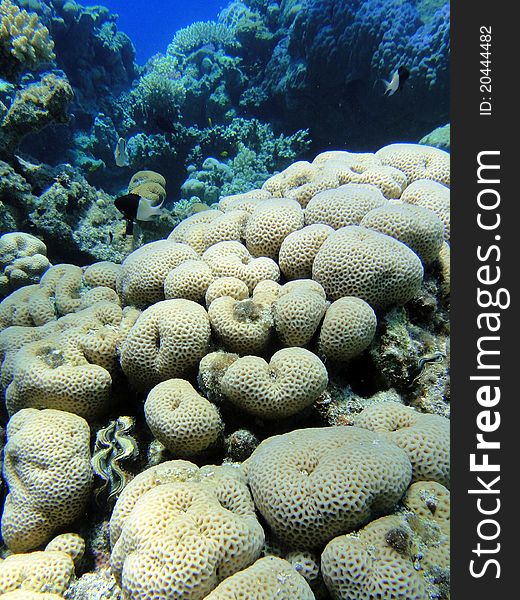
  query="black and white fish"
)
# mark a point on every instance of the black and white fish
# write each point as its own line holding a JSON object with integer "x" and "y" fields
{"x": 136, "y": 208}
{"x": 120, "y": 153}
{"x": 397, "y": 82}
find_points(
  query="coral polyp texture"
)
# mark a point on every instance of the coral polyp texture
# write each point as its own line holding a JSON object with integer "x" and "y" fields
{"x": 347, "y": 473}
{"x": 48, "y": 473}
{"x": 356, "y": 261}
{"x": 277, "y": 314}
{"x": 178, "y": 530}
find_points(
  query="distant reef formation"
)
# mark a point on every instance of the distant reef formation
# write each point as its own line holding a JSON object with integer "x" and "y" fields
{"x": 227, "y": 103}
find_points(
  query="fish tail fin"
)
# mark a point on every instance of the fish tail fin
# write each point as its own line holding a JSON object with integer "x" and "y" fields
{"x": 384, "y": 82}
{"x": 146, "y": 211}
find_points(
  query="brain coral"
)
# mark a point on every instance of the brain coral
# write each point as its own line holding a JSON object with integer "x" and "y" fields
{"x": 49, "y": 571}
{"x": 243, "y": 326}
{"x": 178, "y": 531}
{"x": 297, "y": 315}
{"x": 189, "y": 280}
{"x": 268, "y": 577}
{"x": 181, "y": 419}
{"x": 355, "y": 261}
{"x": 226, "y": 286}
{"x": 55, "y": 373}
{"x": 348, "y": 328}
{"x": 229, "y": 226}
{"x": 30, "y": 306}
{"x": 143, "y": 271}
{"x": 292, "y": 380}
{"x": 346, "y": 473}
{"x": 167, "y": 339}
{"x": 417, "y": 161}
{"x": 69, "y": 366}
{"x": 192, "y": 230}
{"x": 342, "y": 206}
{"x": 417, "y": 227}
{"x": 104, "y": 273}
{"x": 321, "y": 182}
{"x": 23, "y": 260}
{"x": 270, "y": 224}
{"x": 232, "y": 259}
{"x": 367, "y": 566}
{"x": 299, "y": 249}
{"x": 296, "y": 174}
{"x": 48, "y": 473}
{"x": 424, "y": 437}
{"x": 432, "y": 195}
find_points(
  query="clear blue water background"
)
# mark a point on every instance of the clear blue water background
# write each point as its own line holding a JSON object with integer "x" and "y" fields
{"x": 151, "y": 24}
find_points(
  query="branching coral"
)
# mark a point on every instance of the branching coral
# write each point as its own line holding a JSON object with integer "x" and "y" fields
{"x": 24, "y": 41}
{"x": 201, "y": 33}
{"x": 157, "y": 95}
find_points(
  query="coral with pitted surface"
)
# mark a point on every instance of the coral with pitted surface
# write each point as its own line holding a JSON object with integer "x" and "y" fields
{"x": 23, "y": 260}
{"x": 50, "y": 571}
{"x": 144, "y": 271}
{"x": 243, "y": 326}
{"x": 292, "y": 380}
{"x": 399, "y": 556}
{"x": 232, "y": 259}
{"x": 371, "y": 564}
{"x": 347, "y": 473}
{"x": 268, "y": 577}
{"x": 417, "y": 227}
{"x": 181, "y": 419}
{"x": 168, "y": 339}
{"x": 189, "y": 280}
{"x": 48, "y": 473}
{"x": 180, "y": 530}
{"x": 270, "y": 223}
{"x": 348, "y": 328}
{"x": 424, "y": 437}
{"x": 432, "y": 195}
{"x": 298, "y": 312}
{"x": 69, "y": 363}
{"x": 417, "y": 161}
{"x": 344, "y": 205}
{"x": 247, "y": 341}
{"x": 355, "y": 261}
{"x": 299, "y": 249}
{"x": 226, "y": 286}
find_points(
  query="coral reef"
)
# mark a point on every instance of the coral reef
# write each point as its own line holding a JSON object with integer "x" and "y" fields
{"x": 283, "y": 322}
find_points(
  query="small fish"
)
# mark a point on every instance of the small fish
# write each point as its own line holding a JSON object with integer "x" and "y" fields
{"x": 136, "y": 208}
{"x": 120, "y": 153}
{"x": 164, "y": 124}
{"x": 397, "y": 82}
{"x": 210, "y": 121}
{"x": 224, "y": 154}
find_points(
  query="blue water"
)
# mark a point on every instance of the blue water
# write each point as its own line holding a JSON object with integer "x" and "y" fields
{"x": 151, "y": 24}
